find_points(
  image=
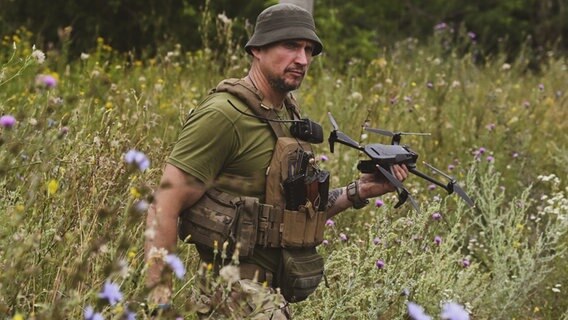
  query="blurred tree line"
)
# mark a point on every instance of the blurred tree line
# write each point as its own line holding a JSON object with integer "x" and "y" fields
{"x": 356, "y": 28}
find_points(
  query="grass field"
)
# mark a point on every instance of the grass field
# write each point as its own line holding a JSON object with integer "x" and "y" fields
{"x": 73, "y": 210}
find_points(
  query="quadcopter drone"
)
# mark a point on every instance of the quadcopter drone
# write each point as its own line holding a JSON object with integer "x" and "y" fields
{"x": 383, "y": 156}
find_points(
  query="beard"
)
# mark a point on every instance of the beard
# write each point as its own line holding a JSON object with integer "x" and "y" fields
{"x": 280, "y": 84}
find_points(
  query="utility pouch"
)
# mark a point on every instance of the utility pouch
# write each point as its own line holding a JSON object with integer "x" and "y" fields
{"x": 303, "y": 227}
{"x": 210, "y": 221}
{"x": 247, "y": 224}
{"x": 299, "y": 273}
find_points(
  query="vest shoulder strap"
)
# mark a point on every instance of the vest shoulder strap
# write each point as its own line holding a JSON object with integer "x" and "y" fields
{"x": 252, "y": 97}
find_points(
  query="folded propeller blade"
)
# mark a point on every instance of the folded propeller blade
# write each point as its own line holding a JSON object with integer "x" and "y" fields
{"x": 459, "y": 191}
{"x": 403, "y": 193}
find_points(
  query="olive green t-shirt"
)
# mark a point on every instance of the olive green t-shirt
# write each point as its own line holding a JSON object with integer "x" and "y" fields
{"x": 223, "y": 146}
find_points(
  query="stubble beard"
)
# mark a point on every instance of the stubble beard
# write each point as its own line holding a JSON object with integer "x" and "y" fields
{"x": 279, "y": 84}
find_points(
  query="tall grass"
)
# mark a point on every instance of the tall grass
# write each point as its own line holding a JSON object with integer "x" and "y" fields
{"x": 73, "y": 210}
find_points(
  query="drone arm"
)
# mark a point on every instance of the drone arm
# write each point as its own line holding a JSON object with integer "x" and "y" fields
{"x": 434, "y": 181}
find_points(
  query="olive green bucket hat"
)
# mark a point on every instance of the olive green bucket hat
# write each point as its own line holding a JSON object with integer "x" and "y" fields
{"x": 284, "y": 21}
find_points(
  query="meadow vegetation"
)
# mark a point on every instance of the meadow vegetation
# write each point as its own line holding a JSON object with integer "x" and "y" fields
{"x": 83, "y": 140}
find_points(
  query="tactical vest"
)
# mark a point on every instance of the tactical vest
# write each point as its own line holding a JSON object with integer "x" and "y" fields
{"x": 243, "y": 222}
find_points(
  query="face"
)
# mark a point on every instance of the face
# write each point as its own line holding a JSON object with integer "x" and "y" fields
{"x": 285, "y": 63}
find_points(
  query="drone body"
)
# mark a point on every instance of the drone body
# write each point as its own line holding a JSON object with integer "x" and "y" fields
{"x": 384, "y": 156}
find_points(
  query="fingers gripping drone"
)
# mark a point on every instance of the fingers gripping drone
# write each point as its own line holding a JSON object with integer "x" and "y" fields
{"x": 384, "y": 156}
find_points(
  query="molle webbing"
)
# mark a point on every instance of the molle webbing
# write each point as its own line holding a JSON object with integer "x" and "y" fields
{"x": 252, "y": 97}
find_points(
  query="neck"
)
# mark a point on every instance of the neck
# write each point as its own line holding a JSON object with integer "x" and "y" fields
{"x": 272, "y": 98}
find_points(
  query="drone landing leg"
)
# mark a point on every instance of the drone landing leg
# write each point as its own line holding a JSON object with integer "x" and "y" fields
{"x": 403, "y": 194}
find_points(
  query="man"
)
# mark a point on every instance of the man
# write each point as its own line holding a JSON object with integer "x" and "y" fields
{"x": 225, "y": 146}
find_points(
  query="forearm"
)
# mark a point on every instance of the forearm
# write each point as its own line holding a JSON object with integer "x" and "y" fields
{"x": 337, "y": 202}
{"x": 161, "y": 234}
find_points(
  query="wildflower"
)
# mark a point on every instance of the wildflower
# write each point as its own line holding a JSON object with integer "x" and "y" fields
{"x": 141, "y": 206}
{"x": 7, "y": 121}
{"x": 39, "y": 56}
{"x": 111, "y": 292}
{"x": 380, "y": 264}
{"x": 490, "y": 159}
{"x": 451, "y": 167}
{"x": 437, "y": 216}
{"x": 465, "y": 263}
{"x": 505, "y": 66}
{"x": 376, "y": 241}
{"x": 454, "y": 311}
{"x": 541, "y": 87}
{"x": 471, "y": 35}
{"x": 515, "y": 155}
{"x": 46, "y": 80}
{"x": 52, "y": 187}
{"x": 138, "y": 159}
{"x": 330, "y": 223}
{"x": 325, "y": 242}
{"x": 230, "y": 274}
{"x": 176, "y": 265}
{"x": 129, "y": 315}
{"x": 437, "y": 240}
{"x": 416, "y": 312}
{"x": 429, "y": 85}
{"x": 84, "y": 56}
{"x": 379, "y": 203}
{"x": 440, "y": 26}
{"x": 323, "y": 158}
{"x": 90, "y": 314}
{"x": 18, "y": 316}
{"x": 431, "y": 187}
{"x": 343, "y": 237}
{"x": 490, "y": 127}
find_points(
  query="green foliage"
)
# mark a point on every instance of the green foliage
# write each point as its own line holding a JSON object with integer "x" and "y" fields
{"x": 73, "y": 210}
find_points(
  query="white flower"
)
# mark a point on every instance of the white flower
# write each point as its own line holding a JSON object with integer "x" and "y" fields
{"x": 39, "y": 56}
{"x": 230, "y": 274}
{"x": 84, "y": 56}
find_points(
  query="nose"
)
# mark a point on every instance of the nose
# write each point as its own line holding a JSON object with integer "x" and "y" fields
{"x": 302, "y": 56}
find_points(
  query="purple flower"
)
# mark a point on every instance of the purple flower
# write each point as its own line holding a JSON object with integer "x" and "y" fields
{"x": 451, "y": 167}
{"x": 429, "y": 85}
{"x": 481, "y": 150}
{"x": 515, "y": 155}
{"x": 343, "y": 237}
{"x": 526, "y": 104}
{"x": 7, "y": 121}
{"x": 46, "y": 80}
{"x": 471, "y": 35}
{"x": 490, "y": 126}
{"x": 90, "y": 314}
{"x": 437, "y": 240}
{"x": 137, "y": 158}
{"x": 431, "y": 187}
{"x": 393, "y": 100}
{"x": 490, "y": 159}
{"x": 129, "y": 315}
{"x": 376, "y": 241}
{"x": 330, "y": 223}
{"x": 440, "y": 26}
{"x": 379, "y": 203}
{"x": 541, "y": 87}
{"x": 111, "y": 292}
{"x": 325, "y": 242}
{"x": 437, "y": 216}
{"x": 465, "y": 263}
{"x": 176, "y": 265}
{"x": 323, "y": 158}
{"x": 380, "y": 264}
{"x": 141, "y": 206}
{"x": 416, "y": 312}
{"x": 454, "y": 311}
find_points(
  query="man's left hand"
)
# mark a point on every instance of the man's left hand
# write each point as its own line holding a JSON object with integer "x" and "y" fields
{"x": 376, "y": 184}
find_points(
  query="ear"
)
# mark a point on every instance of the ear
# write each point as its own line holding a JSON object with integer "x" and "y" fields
{"x": 255, "y": 51}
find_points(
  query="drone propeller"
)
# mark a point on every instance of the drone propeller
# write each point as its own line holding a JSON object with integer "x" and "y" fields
{"x": 452, "y": 186}
{"x": 395, "y": 135}
{"x": 403, "y": 193}
{"x": 338, "y": 136}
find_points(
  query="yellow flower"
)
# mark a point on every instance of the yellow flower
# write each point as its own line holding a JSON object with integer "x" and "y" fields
{"x": 536, "y": 309}
{"x": 131, "y": 254}
{"x": 18, "y": 316}
{"x": 209, "y": 266}
{"x": 134, "y": 193}
{"x": 52, "y": 187}
{"x": 20, "y": 208}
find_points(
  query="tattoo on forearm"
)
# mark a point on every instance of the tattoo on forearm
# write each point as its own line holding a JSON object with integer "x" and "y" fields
{"x": 333, "y": 196}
